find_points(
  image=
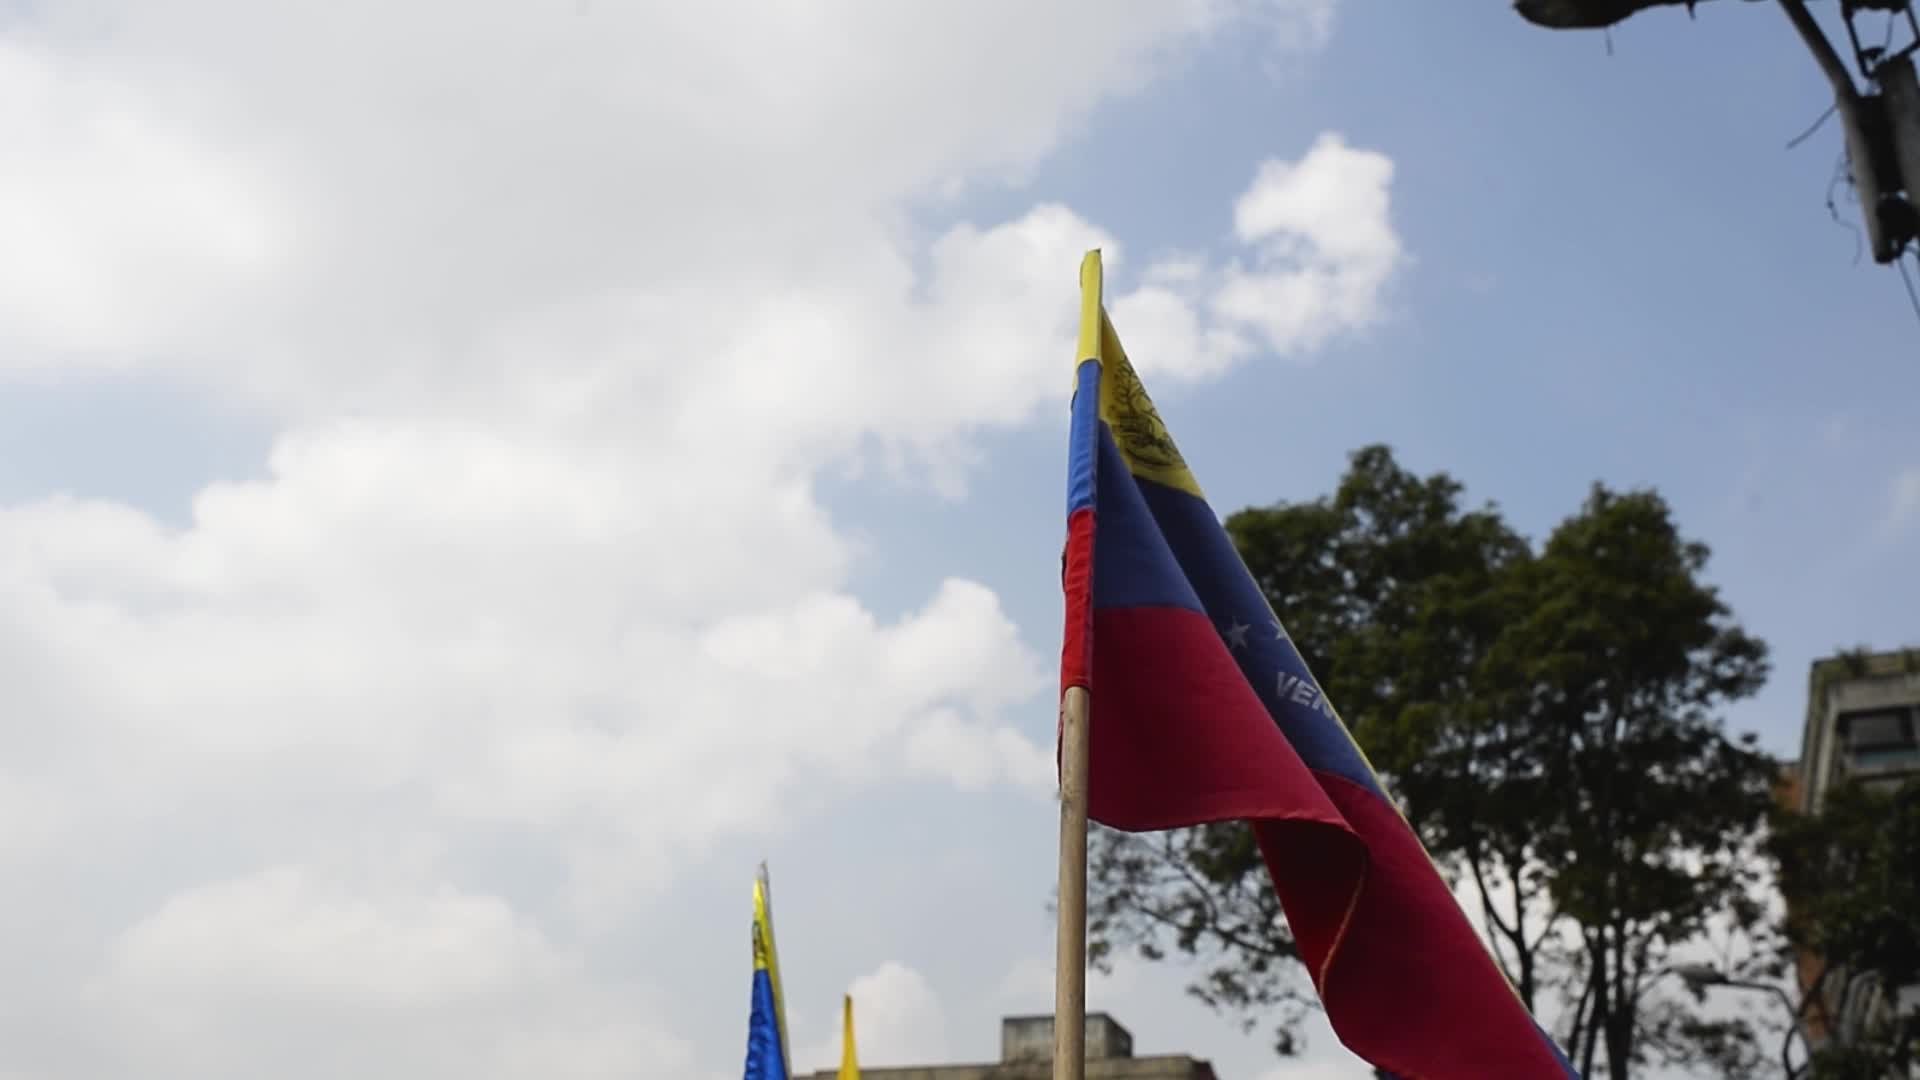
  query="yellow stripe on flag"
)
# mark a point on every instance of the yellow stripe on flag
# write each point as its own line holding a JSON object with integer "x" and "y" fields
{"x": 849, "y": 1061}
{"x": 1138, "y": 433}
{"x": 766, "y": 957}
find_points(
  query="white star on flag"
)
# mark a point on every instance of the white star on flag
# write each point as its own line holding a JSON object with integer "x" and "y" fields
{"x": 1237, "y": 634}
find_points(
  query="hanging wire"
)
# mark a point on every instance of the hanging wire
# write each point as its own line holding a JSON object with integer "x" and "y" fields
{"x": 1815, "y": 126}
{"x": 1912, "y": 296}
{"x": 1838, "y": 178}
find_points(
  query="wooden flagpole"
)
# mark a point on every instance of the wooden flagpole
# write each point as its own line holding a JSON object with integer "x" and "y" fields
{"x": 1076, "y": 708}
{"x": 1070, "y": 957}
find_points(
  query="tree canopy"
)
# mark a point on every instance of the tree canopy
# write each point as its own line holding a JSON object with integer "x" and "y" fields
{"x": 1850, "y": 875}
{"x": 1548, "y": 716}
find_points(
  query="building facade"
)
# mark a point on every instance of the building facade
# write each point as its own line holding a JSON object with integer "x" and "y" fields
{"x": 1863, "y": 723}
{"x": 1862, "y": 727}
{"x": 1026, "y": 1053}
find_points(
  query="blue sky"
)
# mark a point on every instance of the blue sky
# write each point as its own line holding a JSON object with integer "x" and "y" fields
{"x": 419, "y": 634}
{"x": 1620, "y": 277}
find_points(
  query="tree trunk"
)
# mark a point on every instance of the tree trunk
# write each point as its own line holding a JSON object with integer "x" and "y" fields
{"x": 1622, "y": 1013}
{"x": 1619, "y": 1043}
{"x": 1577, "y": 1033}
{"x": 1602, "y": 1001}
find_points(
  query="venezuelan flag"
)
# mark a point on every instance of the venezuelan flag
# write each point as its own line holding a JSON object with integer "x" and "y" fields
{"x": 767, "y": 1025}
{"x": 1203, "y": 711}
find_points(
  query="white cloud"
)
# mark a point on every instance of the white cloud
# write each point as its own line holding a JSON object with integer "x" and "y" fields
{"x": 559, "y": 311}
{"x": 1903, "y": 500}
{"x": 424, "y": 978}
{"x": 99, "y": 262}
{"x": 283, "y": 934}
{"x": 898, "y": 1020}
{"x": 1348, "y": 1069}
{"x": 1166, "y": 333}
{"x": 1322, "y": 249}
{"x": 1326, "y": 246}
{"x": 435, "y": 174}
{"x": 1028, "y": 987}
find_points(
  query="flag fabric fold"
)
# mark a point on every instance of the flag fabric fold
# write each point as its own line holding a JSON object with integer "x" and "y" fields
{"x": 1203, "y": 711}
{"x": 767, "y": 1057}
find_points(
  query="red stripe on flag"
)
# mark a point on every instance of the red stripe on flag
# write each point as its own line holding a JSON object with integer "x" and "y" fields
{"x": 1076, "y": 650}
{"x": 1179, "y": 737}
{"x": 1406, "y": 982}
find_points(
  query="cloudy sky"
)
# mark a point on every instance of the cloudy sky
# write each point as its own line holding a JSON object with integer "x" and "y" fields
{"x": 475, "y": 478}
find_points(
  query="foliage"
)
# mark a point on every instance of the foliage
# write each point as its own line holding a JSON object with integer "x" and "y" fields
{"x": 1628, "y": 656}
{"x": 1851, "y": 878}
{"x": 1548, "y": 719}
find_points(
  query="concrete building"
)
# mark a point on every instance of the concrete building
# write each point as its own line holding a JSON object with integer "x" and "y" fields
{"x": 1862, "y": 727}
{"x": 1863, "y": 723}
{"x": 1026, "y": 1053}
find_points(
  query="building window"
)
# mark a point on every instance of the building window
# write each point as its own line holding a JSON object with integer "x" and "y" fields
{"x": 1880, "y": 738}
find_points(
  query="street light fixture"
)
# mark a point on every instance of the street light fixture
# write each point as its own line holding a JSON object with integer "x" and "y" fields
{"x": 1881, "y": 122}
{"x": 1699, "y": 977}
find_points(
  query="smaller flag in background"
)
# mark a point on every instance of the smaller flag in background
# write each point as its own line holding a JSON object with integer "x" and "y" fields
{"x": 849, "y": 1061}
{"x": 767, "y": 1025}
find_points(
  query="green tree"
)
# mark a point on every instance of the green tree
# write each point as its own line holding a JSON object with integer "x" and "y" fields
{"x": 1548, "y": 721}
{"x": 1851, "y": 878}
{"x": 1652, "y": 815}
